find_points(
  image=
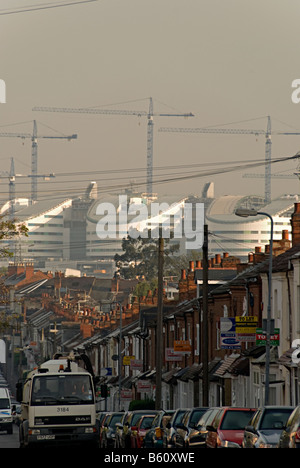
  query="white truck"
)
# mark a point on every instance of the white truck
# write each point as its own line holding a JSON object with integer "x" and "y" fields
{"x": 6, "y": 419}
{"x": 58, "y": 404}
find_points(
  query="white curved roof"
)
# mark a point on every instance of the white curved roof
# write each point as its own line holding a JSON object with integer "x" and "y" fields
{"x": 222, "y": 210}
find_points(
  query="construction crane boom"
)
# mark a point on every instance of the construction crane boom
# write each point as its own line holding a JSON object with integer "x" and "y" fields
{"x": 150, "y": 123}
{"x": 236, "y": 131}
{"x": 34, "y": 155}
{"x": 274, "y": 176}
{"x": 87, "y": 110}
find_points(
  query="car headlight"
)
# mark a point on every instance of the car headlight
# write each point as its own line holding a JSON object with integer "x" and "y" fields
{"x": 264, "y": 445}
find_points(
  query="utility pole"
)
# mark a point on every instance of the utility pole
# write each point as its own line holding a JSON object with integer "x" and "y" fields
{"x": 205, "y": 320}
{"x": 159, "y": 324}
{"x": 120, "y": 356}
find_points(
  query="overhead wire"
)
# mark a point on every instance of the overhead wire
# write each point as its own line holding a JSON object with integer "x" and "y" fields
{"x": 42, "y": 6}
{"x": 166, "y": 178}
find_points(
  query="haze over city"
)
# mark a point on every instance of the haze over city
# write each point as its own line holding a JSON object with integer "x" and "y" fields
{"x": 227, "y": 62}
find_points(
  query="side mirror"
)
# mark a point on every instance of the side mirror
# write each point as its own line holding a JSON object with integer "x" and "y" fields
{"x": 181, "y": 426}
{"x": 211, "y": 428}
{"x": 250, "y": 429}
{"x": 19, "y": 392}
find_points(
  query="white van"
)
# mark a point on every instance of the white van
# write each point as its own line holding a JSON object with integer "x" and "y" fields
{"x": 6, "y": 419}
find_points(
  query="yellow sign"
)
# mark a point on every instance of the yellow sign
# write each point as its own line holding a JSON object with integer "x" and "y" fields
{"x": 127, "y": 359}
{"x": 246, "y": 324}
{"x": 182, "y": 345}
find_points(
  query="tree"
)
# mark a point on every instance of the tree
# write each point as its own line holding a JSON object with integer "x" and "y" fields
{"x": 140, "y": 258}
{"x": 10, "y": 230}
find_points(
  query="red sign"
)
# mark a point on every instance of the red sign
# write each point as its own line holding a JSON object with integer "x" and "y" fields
{"x": 171, "y": 355}
{"x": 136, "y": 364}
{"x": 126, "y": 394}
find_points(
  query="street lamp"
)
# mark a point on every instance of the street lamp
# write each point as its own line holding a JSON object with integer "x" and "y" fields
{"x": 244, "y": 213}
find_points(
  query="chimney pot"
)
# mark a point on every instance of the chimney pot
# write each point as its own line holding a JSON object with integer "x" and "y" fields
{"x": 285, "y": 234}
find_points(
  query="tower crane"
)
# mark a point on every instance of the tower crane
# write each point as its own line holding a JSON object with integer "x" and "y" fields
{"x": 11, "y": 183}
{"x": 231, "y": 131}
{"x": 11, "y": 175}
{"x": 34, "y": 153}
{"x": 150, "y": 114}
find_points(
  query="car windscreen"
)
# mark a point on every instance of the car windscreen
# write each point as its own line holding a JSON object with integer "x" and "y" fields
{"x": 236, "y": 419}
{"x": 146, "y": 422}
{"x": 195, "y": 416}
{"x": 115, "y": 419}
{"x": 62, "y": 389}
{"x": 178, "y": 417}
{"x": 275, "y": 419}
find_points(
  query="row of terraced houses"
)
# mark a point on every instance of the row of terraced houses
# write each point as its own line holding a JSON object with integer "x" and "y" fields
{"x": 63, "y": 314}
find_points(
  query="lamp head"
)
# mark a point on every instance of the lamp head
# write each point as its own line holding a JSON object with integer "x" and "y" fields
{"x": 244, "y": 212}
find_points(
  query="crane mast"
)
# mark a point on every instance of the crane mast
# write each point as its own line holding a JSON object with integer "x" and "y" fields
{"x": 233, "y": 131}
{"x": 34, "y": 153}
{"x": 150, "y": 124}
{"x": 150, "y": 150}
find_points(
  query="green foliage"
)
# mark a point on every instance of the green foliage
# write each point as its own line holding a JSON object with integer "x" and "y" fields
{"x": 10, "y": 230}
{"x": 141, "y": 405}
{"x": 140, "y": 258}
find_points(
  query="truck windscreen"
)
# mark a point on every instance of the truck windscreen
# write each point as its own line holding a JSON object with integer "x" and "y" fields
{"x": 62, "y": 389}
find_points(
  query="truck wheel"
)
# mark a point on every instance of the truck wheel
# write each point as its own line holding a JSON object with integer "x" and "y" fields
{"x": 21, "y": 437}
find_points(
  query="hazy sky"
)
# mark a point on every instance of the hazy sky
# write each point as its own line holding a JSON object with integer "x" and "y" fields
{"x": 227, "y": 61}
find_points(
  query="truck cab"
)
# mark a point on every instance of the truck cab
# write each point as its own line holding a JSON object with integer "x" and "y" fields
{"x": 58, "y": 405}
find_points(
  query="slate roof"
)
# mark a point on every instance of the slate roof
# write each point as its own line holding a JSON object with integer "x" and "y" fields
{"x": 279, "y": 263}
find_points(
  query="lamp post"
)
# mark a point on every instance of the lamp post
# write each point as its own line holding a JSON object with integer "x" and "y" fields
{"x": 120, "y": 354}
{"x": 244, "y": 213}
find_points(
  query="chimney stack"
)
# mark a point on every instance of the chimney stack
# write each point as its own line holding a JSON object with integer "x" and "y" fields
{"x": 295, "y": 222}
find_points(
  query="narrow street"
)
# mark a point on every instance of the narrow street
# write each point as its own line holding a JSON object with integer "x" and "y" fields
{"x": 10, "y": 440}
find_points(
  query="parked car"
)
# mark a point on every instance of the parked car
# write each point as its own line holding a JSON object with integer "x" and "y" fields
{"x": 228, "y": 426}
{"x": 103, "y": 418}
{"x": 265, "y": 427}
{"x": 198, "y": 435}
{"x": 119, "y": 430}
{"x": 154, "y": 437}
{"x": 169, "y": 433}
{"x": 123, "y": 433}
{"x": 99, "y": 418}
{"x": 290, "y": 435}
{"x": 139, "y": 431}
{"x": 188, "y": 423}
{"x": 109, "y": 429}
